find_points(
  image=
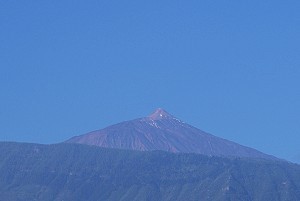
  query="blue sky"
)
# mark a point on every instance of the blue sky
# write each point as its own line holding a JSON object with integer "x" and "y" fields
{"x": 230, "y": 68}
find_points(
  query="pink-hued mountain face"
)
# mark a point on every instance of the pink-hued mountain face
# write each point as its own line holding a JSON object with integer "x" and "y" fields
{"x": 162, "y": 131}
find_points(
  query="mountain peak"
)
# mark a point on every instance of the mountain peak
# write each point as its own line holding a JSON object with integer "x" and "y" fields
{"x": 160, "y": 113}
{"x": 162, "y": 131}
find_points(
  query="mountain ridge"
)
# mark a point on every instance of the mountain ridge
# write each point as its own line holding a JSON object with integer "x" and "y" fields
{"x": 75, "y": 172}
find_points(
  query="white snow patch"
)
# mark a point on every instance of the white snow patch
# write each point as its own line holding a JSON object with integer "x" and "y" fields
{"x": 153, "y": 123}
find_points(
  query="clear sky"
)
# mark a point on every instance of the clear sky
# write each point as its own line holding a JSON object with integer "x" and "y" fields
{"x": 231, "y": 68}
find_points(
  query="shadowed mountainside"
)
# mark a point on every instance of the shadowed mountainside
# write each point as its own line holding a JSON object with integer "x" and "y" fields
{"x": 73, "y": 172}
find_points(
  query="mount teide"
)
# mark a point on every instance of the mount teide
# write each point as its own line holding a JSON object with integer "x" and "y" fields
{"x": 162, "y": 131}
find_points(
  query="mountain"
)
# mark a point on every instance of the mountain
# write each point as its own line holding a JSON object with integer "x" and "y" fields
{"x": 74, "y": 172}
{"x": 162, "y": 131}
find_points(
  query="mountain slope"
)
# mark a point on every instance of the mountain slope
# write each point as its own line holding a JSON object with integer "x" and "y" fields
{"x": 73, "y": 172}
{"x": 162, "y": 131}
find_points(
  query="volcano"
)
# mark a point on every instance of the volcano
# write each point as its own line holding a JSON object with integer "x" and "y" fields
{"x": 162, "y": 131}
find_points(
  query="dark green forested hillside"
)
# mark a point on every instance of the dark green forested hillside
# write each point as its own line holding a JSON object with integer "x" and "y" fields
{"x": 73, "y": 172}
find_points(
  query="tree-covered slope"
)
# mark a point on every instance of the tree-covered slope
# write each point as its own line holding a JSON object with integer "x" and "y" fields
{"x": 73, "y": 172}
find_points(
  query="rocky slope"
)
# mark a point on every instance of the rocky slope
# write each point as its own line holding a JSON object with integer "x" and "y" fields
{"x": 162, "y": 131}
